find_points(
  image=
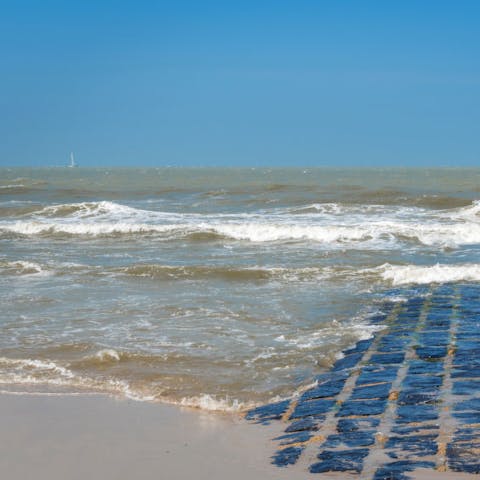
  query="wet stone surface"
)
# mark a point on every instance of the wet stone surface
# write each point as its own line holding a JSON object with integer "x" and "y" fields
{"x": 312, "y": 407}
{"x": 340, "y": 461}
{"x": 407, "y": 398}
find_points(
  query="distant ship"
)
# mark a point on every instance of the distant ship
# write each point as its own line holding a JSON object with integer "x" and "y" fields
{"x": 72, "y": 161}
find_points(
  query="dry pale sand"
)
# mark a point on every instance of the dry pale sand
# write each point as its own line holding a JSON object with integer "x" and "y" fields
{"x": 96, "y": 437}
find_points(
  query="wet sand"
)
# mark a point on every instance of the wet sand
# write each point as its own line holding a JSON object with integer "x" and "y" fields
{"x": 93, "y": 437}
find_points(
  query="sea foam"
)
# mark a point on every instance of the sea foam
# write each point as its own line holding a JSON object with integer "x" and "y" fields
{"x": 335, "y": 225}
{"x": 413, "y": 274}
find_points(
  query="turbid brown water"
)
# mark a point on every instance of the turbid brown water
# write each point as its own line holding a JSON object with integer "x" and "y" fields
{"x": 220, "y": 288}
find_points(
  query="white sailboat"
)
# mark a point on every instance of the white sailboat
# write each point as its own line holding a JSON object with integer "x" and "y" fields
{"x": 72, "y": 161}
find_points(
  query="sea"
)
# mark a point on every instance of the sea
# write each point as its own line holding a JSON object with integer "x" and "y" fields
{"x": 216, "y": 288}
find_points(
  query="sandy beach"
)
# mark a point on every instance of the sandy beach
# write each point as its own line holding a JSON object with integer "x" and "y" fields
{"x": 93, "y": 437}
{"x": 82, "y": 437}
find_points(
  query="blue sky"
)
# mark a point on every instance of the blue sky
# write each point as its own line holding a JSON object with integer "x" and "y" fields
{"x": 363, "y": 83}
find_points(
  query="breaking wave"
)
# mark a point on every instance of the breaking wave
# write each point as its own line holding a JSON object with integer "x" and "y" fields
{"x": 367, "y": 226}
{"x": 413, "y": 274}
{"x": 370, "y": 235}
{"x": 20, "y": 267}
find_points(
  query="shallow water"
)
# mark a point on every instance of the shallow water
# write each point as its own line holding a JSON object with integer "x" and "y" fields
{"x": 221, "y": 288}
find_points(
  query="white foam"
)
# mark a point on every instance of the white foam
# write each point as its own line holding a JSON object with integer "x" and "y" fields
{"x": 15, "y": 185}
{"x": 85, "y": 228}
{"x": 108, "y": 354}
{"x": 31, "y": 372}
{"x": 214, "y": 404}
{"x": 337, "y": 225}
{"x": 85, "y": 209}
{"x": 42, "y": 366}
{"x": 22, "y": 267}
{"x": 413, "y": 274}
{"x": 46, "y": 372}
{"x": 470, "y": 212}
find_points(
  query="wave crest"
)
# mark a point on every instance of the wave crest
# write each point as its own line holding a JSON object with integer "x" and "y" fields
{"x": 334, "y": 225}
{"x": 20, "y": 267}
{"x": 413, "y": 274}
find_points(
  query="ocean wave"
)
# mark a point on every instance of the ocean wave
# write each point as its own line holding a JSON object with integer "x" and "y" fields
{"x": 337, "y": 225}
{"x": 91, "y": 229}
{"x": 229, "y": 273}
{"x": 414, "y": 274}
{"x": 9, "y": 187}
{"x": 108, "y": 355}
{"x": 20, "y": 267}
{"x": 15, "y": 189}
{"x": 329, "y": 208}
{"x": 86, "y": 210}
{"x": 469, "y": 212}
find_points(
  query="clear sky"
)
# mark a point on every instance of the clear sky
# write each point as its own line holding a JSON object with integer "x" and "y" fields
{"x": 240, "y": 83}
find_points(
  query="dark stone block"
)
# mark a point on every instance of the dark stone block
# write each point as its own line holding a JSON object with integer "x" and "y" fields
{"x": 406, "y": 321}
{"x": 426, "y": 353}
{"x": 467, "y": 417}
{"x": 466, "y": 359}
{"x": 463, "y": 458}
{"x": 407, "y": 430}
{"x": 466, "y": 387}
{"x": 387, "y": 358}
{"x": 446, "y": 290}
{"x": 287, "y": 456}
{"x": 416, "y": 397}
{"x": 396, "y": 470}
{"x": 348, "y": 361}
{"x": 379, "y": 391}
{"x": 439, "y": 318}
{"x": 312, "y": 407}
{"x": 309, "y": 423}
{"x": 416, "y": 301}
{"x": 376, "y": 374}
{"x": 467, "y": 345}
{"x": 435, "y": 339}
{"x": 360, "y": 347}
{"x": 351, "y": 439}
{"x": 392, "y": 342}
{"x": 403, "y": 331}
{"x": 380, "y": 318}
{"x": 466, "y": 372}
{"x": 354, "y": 424}
{"x": 467, "y": 434}
{"x": 418, "y": 367}
{"x": 466, "y": 355}
{"x": 296, "y": 437}
{"x": 268, "y": 412}
{"x": 416, "y": 413}
{"x": 465, "y": 334}
{"x": 471, "y": 404}
{"x": 340, "y": 461}
{"x": 327, "y": 389}
{"x": 362, "y": 408}
{"x": 418, "y": 445}
{"x": 332, "y": 376}
{"x": 425, "y": 382}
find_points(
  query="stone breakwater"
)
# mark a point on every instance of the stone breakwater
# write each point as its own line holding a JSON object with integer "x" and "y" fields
{"x": 407, "y": 398}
